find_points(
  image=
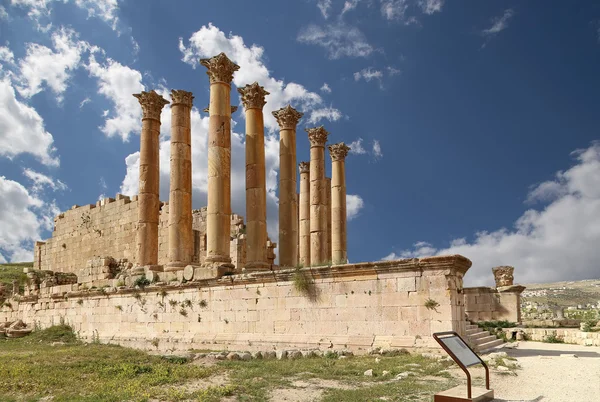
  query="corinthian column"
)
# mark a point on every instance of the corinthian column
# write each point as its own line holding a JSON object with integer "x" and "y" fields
{"x": 287, "y": 118}
{"x": 253, "y": 99}
{"x": 181, "y": 242}
{"x": 220, "y": 71}
{"x": 304, "y": 214}
{"x": 148, "y": 201}
{"x": 318, "y": 196}
{"x": 339, "y": 253}
{"x": 328, "y": 203}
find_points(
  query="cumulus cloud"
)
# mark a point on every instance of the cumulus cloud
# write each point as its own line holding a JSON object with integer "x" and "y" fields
{"x": 42, "y": 65}
{"x": 325, "y": 113}
{"x": 210, "y": 41}
{"x": 354, "y": 203}
{"x": 338, "y": 39}
{"x": 41, "y": 181}
{"x": 558, "y": 241}
{"x": 356, "y": 147}
{"x": 117, "y": 83}
{"x": 22, "y": 129}
{"x": 22, "y": 218}
{"x": 6, "y": 56}
{"x": 325, "y": 88}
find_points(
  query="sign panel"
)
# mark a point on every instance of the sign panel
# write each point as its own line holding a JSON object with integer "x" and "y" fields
{"x": 460, "y": 350}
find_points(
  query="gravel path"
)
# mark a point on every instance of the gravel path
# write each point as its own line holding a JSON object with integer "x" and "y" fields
{"x": 550, "y": 373}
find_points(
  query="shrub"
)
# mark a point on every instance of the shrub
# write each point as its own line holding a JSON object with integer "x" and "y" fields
{"x": 552, "y": 338}
{"x": 56, "y": 333}
{"x": 142, "y": 282}
{"x": 588, "y": 325}
{"x": 303, "y": 284}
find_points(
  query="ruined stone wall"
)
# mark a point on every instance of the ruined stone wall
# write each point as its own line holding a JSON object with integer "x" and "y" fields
{"x": 348, "y": 306}
{"x": 490, "y": 304}
{"x": 108, "y": 229}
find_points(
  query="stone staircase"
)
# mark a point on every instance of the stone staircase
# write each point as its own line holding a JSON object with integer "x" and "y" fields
{"x": 481, "y": 341}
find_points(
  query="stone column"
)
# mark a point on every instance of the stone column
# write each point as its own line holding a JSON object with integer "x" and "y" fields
{"x": 220, "y": 72}
{"x": 339, "y": 253}
{"x": 253, "y": 99}
{"x": 328, "y": 190}
{"x": 181, "y": 241}
{"x": 148, "y": 201}
{"x": 318, "y": 196}
{"x": 287, "y": 118}
{"x": 304, "y": 215}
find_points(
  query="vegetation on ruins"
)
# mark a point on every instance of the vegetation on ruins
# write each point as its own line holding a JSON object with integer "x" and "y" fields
{"x": 431, "y": 304}
{"x": 553, "y": 338}
{"x": 14, "y": 272}
{"x": 304, "y": 284}
{"x": 587, "y": 326}
{"x": 203, "y": 303}
{"x": 496, "y": 328}
{"x": 141, "y": 282}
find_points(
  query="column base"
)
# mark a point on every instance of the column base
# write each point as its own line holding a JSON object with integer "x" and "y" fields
{"x": 256, "y": 266}
{"x": 141, "y": 269}
{"x": 211, "y": 270}
{"x": 217, "y": 259}
{"x": 175, "y": 266}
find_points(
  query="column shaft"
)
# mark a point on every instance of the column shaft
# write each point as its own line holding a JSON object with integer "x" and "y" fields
{"x": 339, "y": 252}
{"x": 328, "y": 190}
{"x": 181, "y": 240}
{"x": 304, "y": 215}
{"x": 148, "y": 201}
{"x": 318, "y": 196}
{"x": 288, "y": 118}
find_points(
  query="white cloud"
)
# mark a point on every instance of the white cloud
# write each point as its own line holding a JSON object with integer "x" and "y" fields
{"x": 349, "y": 5}
{"x": 377, "y": 150}
{"x": 325, "y": 88}
{"x": 40, "y": 181}
{"x": 396, "y": 10}
{"x": 22, "y": 217}
{"x": 499, "y": 24}
{"x": 368, "y": 74}
{"x": 324, "y": 6}
{"x": 431, "y": 6}
{"x": 210, "y": 41}
{"x": 327, "y": 113}
{"x": 392, "y": 70}
{"x": 104, "y": 187}
{"x": 558, "y": 242}
{"x": 354, "y": 203}
{"x": 3, "y": 13}
{"x": 84, "y": 102}
{"x": 52, "y": 67}
{"x": 338, "y": 39}
{"x": 356, "y": 147}
{"x": 6, "y": 55}
{"x": 118, "y": 83}
{"x": 22, "y": 129}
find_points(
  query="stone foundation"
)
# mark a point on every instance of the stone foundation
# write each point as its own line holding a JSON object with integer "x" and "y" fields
{"x": 490, "y": 304}
{"x": 355, "y": 306}
{"x": 568, "y": 335}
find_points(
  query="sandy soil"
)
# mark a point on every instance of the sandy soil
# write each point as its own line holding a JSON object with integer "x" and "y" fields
{"x": 549, "y": 373}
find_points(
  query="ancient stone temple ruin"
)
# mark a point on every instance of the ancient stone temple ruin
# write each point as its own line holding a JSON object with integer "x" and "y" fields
{"x": 156, "y": 274}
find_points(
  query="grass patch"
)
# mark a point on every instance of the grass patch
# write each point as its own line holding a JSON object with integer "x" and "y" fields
{"x": 14, "y": 272}
{"x": 30, "y": 370}
{"x": 495, "y": 328}
{"x": 57, "y": 333}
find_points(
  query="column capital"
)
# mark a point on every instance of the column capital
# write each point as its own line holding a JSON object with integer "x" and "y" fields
{"x": 338, "y": 151}
{"x": 317, "y": 136}
{"x": 181, "y": 97}
{"x": 152, "y": 104}
{"x": 220, "y": 68}
{"x": 253, "y": 96}
{"x": 304, "y": 167}
{"x": 287, "y": 117}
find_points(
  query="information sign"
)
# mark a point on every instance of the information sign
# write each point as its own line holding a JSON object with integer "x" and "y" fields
{"x": 460, "y": 350}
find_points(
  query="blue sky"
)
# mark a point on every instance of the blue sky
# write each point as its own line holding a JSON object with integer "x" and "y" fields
{"x": 472, "y": 125}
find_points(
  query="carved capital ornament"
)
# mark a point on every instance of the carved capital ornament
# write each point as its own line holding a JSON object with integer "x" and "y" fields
{"x": 304, "y": 167}
{"x": 253, "y": 96}
{"x": 220, "y": 68}
{"x": 338, "y": 151}
{"x": 181, "y": 97}
{"x": 152, "y": 104}
{"x": 287, "y": 117}
{"x": 317, "y": 136}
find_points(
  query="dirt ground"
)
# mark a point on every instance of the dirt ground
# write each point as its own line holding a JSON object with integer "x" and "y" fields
{"x": 549, "y": 373}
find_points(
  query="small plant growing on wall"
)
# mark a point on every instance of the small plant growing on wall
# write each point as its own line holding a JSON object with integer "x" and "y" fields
{"x": 141, "y": 282}
{"x": 154, "y": 342}
{"x": 304, "y": 284}
{"x": 119, "y": 307}
{"x": 173, "y": 303}
{"x": 7, "y": 304}
{"x": 80, "y": 302}
{"x": 187, "y": 303}
{"x": 137, "y": 296}
{"x": 431, "y": 304}
{"x": 203, "y": 303}
{"x": 183, "y": 312}
{"x": 163, "y": 293}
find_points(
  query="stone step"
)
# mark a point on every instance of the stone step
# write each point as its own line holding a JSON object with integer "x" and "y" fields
{"x": 471, "y": 326}
{"x": 479, "y": 335}
{"x": 484, "y": 340}
{"x": 486, "y": 347}
{"x": 470, "y": 332}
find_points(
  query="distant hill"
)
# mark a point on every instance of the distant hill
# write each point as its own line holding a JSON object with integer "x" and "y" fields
{"x": 564, "y": 294}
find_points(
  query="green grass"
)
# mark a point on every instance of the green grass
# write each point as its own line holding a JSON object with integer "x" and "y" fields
{"x": 14, "y": 271}
{"x": 31, "y": 369}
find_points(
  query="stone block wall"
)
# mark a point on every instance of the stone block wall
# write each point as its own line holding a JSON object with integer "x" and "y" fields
{"x": 568, "y": 335}
{"x": 354, "y": 306}
{"x": 491, "y": 304}
{"x": 108, "y": 229}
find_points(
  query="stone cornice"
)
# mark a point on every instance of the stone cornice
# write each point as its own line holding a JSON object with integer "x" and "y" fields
{"x": 338, "y": 151}
{"x": 317, "y": 136}
{"x": 181, "y": 97}
{"x": 253, "y": 96}
{"x": 220, "y": 68}
{"x": 152, "y": 104}
{"x": 287, "y": 117}
{"x": 304, "y": 167}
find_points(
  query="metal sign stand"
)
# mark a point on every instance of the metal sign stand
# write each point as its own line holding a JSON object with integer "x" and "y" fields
{"x": 465, "y": 357}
